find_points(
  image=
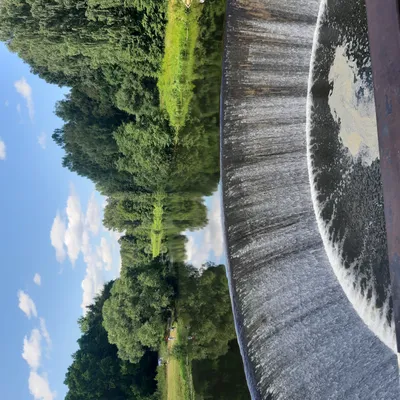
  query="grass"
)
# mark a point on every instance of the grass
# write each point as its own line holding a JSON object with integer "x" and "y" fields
{"x": 185, "y": 365}
{"x": 175, "y": 380}
{"x": 175, "y": 82}
{"x": 161, "y": 378}
{"x": 157, "y": 230}
{"x": 175, "y": 383}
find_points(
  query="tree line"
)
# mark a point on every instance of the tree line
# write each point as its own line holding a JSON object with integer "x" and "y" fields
{"x": 122, "y": 331}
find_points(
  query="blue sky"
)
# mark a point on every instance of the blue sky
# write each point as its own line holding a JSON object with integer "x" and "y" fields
{"x": 35, "y": 190}
{"x": 55, "y": 252}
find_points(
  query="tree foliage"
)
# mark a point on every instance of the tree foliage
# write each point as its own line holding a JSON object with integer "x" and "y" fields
{"x": 97, "y": 373}
{"x": 204, "y": 304}
{"x": 135, "y": 314}
{"x": 222, "y": 378}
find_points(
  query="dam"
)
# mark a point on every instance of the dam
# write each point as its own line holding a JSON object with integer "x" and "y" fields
{"x": 310, "y": 288}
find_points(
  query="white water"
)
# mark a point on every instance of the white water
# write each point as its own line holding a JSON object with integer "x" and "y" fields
{"x": 355, "y": 113}
{"x": 300, "y": 336}
{"x": 353, "y": 116}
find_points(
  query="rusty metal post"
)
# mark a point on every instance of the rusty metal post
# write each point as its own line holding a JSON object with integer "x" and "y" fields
{"x": 384, "y": 38}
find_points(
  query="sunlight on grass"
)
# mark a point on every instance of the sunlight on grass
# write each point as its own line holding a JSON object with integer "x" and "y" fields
{"x": 175, "y": 381}
{"x": 178, "y": 371}
{"x": 157, "y": 230}
{"x": 177, "y": 73}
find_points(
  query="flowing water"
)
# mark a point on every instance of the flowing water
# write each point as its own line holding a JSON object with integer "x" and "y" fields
{"x": 343, "y": 158}
{"x": 302, "y": 335}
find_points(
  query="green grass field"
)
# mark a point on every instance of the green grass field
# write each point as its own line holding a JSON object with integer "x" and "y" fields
{"x": 185, "y": 368}
{"x": 177, "y": 73}
{"x": 175, "y": 383}
{"x": 157, "y": 230}
{"x": 175, "y": 380}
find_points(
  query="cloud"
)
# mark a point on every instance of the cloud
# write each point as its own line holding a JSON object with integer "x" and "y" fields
{"x": 26, "y": 304}
{"x": 19, "y": 109}
{"x": 74, "y": 232}
{"x": 32, "y": 349}
{"x": 39, "y": 387}
{"x": 115, "y": 250}
{"x": 211, "y": 239}
{"x": 104, "y": 252}
{"x": 213, "y": 234}
{"x": 77, "y": 238}
{"x": 115, "y": 235}
{"x": 70, "y": 236}
{"x": 45, "y": 332}
{"x": 6, "y": 103}
{"x": 94, "y": 280}
{"x": 57, "y": 235}
{"x": 25, "y": 90}
{"x": 42, "y": 140}
{"x": 37, "y": 279}
{"x": 93, "y": 219}
{"x": 191, "y": 249}
{"x": 2, "y": 150}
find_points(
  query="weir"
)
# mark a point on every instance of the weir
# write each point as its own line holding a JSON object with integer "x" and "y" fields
{"x": 302, "y": 335}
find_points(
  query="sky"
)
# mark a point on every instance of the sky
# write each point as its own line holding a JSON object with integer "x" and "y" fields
{"x": 55, "y": 253}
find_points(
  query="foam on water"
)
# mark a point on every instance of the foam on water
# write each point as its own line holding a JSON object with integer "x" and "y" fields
{"x": 353, "y": 107}
{"x": 354, "y": 117}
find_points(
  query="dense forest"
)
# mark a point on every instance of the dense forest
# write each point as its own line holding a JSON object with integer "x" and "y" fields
{"x": 117, "y": 356}
{"x": 141, "y": 120}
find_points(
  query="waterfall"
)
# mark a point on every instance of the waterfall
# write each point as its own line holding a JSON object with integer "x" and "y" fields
{"x": 300, "y": 336}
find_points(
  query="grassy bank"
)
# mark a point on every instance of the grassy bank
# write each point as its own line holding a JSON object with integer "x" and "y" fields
{"x": 175, "y": 380}
{"x": 177, "y": 74}
{"x": 185, "y": 364}
{"x": 157, "y": 227}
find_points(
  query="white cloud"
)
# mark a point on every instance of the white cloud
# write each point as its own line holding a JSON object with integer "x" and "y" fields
{"x": 6, "y": 103}
{"x": 77, "y": 238}
{"x": 19, "y": 109}
{"x": 191, "y": 249}
{"x": 2, "y": 150}
{"x": 26, "y": 304}
{"x": 115, "y": 250}
{"x": 73, "y": 235}
{"x": 212, "y": 239}
{"x": 25, "y": 90}
{"x": 93, "y": 218}
{"x": 213, "y": 235}
{"x": 45, "y": 332}
{"x": 115, "y": 235}
{"x": 104, "y": 252}
{"x": 42, "y": 140}
{"x": 39, "y": 387}
{"x": 37, "y": 279}
{"x": 86, "y": 247}
{"x": 57, "y": 235}
{"x": 91, "y": 286}
{"x": 32, "y": 349}
{"x": 94, "y": 280}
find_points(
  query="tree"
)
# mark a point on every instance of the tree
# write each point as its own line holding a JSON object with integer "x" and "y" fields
{"x": 137, "y": 95}
{"x": 146, "y": 150}
{"x": 136, "y": 312}
{"x": 97, "y": 373}
{"x": 204, "y": 305}
{"x": 222, "y": 378}
{"x": 70, "y": 39}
